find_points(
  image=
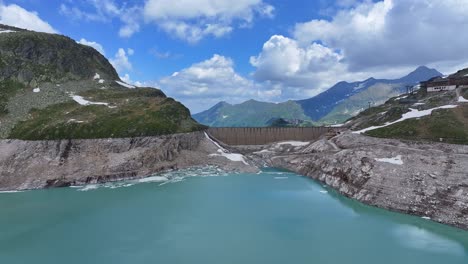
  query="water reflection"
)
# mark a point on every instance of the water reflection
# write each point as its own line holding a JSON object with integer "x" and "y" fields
{"x": 421, "y": 239}
{"x": 420, "y": 233}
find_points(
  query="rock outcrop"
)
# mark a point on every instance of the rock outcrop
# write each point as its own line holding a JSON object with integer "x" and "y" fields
{"x": 61, "y": 163}
{"x": 32, "y": 58}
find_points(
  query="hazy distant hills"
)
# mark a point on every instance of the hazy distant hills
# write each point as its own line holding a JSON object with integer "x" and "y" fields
{"x": 339, "y": 103}
{"x": 249, "y": 114}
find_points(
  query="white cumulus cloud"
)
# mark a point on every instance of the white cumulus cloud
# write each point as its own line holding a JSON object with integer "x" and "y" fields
{"x": 121, "y": 61}
{"x": 93, "y": 44}
{"x": 393, "y": 32}
{"x": 188, "y": 20}
{"x": 194, "y": 20}
{"x": 17, "y": 16}
{"x": 363, "y": 39}
{"x": 297, "y": 70}
{"x": 208, "y": 82}
{"x": 106, "y": 11}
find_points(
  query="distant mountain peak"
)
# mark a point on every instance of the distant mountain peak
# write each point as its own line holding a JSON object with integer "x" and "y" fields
{"x": 420, "y": 73}
{"x": 222, "y": 103}
{"x": 336, "y": 104}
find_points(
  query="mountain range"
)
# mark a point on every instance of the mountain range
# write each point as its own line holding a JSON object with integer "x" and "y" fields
{"x": 337, "y": 104}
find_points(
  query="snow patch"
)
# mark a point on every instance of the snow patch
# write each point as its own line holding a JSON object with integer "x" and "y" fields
{"x": 225, "y": 153}
{"x": 82, "y": 101}
{"x": 225, "y": 116}
{"x": 125, "y": 85}
{"x": 101, "y": 81}
{"x": 231, "y": 156}
{"x": 395, "y": 160}
{"x": 414, "y": 113}
{"x": 462, "y": 99}
{"x": 416, "y": 104}
{"x": 360, "y": 86}
{"x": 36, "y": 90}
{"x": 7, "y": 31}
{"x": 97, "y": 76}
{"x": 74, "y": 121}
{"x": 294, "y": 143}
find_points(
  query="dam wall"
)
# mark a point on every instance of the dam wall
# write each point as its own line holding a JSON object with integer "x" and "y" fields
{"x": 267, "y": 135}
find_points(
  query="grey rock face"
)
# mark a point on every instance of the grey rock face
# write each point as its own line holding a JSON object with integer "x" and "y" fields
{"x": 43, "y": 164}
{"x": 33, "y": 58}
{"x": 423, "y": 179}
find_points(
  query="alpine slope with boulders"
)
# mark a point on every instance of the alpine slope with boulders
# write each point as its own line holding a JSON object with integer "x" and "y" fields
{"x": 51, "y": 87}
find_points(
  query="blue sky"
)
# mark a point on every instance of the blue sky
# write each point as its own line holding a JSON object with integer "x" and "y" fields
{"x": 205, "y": 51}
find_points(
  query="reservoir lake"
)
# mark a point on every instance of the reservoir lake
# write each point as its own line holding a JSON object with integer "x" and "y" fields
{"x": 203, "y": 215}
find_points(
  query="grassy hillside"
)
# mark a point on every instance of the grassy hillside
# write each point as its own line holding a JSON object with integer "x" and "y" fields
{"x": 54, "y": 88}
{"x": 129, "y": 113}
{"x": 441, "y": 125}
{"x": 445, "y": 125}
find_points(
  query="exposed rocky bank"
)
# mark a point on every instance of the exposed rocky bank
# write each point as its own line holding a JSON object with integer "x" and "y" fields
{"x": 424, "y": 179}
{"x": 61, "y": 163}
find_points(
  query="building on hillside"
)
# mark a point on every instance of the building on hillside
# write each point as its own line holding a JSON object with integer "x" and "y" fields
{"x": 449, "y": 83}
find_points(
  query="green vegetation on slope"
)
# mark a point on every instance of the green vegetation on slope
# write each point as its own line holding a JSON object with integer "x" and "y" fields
{"x": 447, "y": 125}
{"x": 40, "y": 74}
{"x": 130, "y": 113}
{"x": 8, "y": 88}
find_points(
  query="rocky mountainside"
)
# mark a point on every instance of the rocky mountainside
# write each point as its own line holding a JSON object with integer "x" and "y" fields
{"x": 54, "y": 88}
{"x": 336, "y": 105}
{"x": 72, "y": 162}
{"x": 433, "y": 116}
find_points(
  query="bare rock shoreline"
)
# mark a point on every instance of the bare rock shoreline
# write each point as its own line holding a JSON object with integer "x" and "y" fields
{"x": 28, "y": 165}
{"x": 424, "y": 179}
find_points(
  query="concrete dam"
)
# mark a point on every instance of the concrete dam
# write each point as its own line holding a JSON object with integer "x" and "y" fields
{"x": 267, "y": 135}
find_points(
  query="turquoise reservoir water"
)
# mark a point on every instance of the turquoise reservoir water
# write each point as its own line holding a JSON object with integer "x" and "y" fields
{"x": 272, "y": 217}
